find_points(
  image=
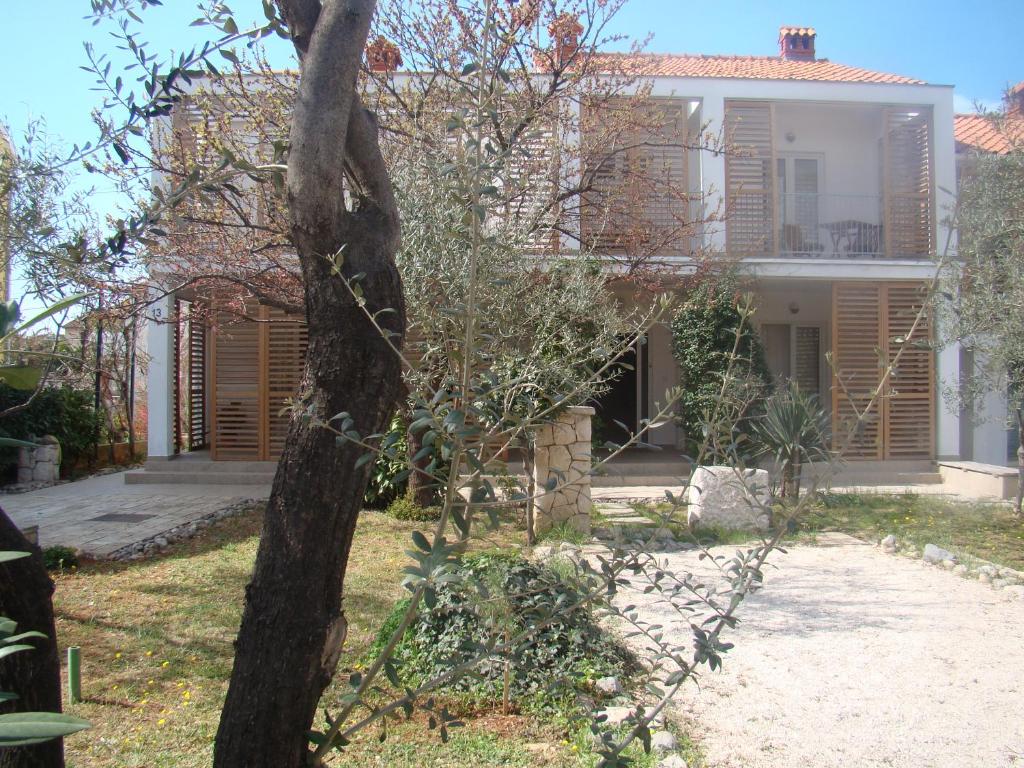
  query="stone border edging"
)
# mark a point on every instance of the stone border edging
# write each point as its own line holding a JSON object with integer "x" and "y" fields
{"x": 155, "y": 544}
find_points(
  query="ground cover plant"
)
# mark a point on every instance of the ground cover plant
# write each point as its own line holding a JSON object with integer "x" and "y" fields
{"x": 156, "y": 644}
{"x": 972, "y": 529}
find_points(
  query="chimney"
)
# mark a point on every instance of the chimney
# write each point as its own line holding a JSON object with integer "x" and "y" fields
{"x": 383, "y": 56}
{"x": 565, "y": 33}
{"x": 1014, "y": 100}
{"x": 797, "y": 43}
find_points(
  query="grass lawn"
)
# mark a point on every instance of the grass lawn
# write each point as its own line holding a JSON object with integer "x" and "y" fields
{"x": 969, "y": 529}
{"x": 987, "y": 531}
{"x": 156, "y": 647}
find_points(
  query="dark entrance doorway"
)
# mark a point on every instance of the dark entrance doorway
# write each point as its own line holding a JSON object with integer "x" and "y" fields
{"x": 620, "y": 409}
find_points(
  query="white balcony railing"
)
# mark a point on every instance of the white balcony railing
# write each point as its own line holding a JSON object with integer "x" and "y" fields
{"x": 830, "y": 226}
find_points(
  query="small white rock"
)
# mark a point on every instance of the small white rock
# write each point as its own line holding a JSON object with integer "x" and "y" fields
{"x": 949, "y": 565}
{"x": 664, "y": 742}
{"x": 616, "y": 715}
{"x": 889, "y": 541}
{"x": 934, "y": 554}
{"x": 960, "y": 570}
{"x": 672, "y": 761}
{"x": 609, "y": 686}
{"x": 984, "y": 578}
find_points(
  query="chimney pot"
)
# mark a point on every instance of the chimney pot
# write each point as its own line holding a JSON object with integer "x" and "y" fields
{"x": 383, "y": 56}
{"x": 1014, "y": 100}
{"x": 797, "y": 43}
{"x": 565, "y": 33}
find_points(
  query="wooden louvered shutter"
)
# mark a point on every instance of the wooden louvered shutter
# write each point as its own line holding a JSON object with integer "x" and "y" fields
{"x": 907, "y": 183}
{"x": 750, "y": 226}
{"x": 238, "y": 376}
{"x": 660, "y": 164}
{"x": 532, "y": 178}
{"x": 286, "y": 355}
{"x": 856, "y": 357}
{"x": 871, "y": 324}
{"x": 176, "y": 391}
{"x": 910, "y": 399}
{"x": 198, "y": 436}
{"x": 639, "y": 197}
{"x": 807, "y": 358}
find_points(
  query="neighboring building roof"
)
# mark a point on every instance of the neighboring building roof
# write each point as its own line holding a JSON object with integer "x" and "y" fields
{"x": 983, "y": 133}
{"x": 750, "y": 67}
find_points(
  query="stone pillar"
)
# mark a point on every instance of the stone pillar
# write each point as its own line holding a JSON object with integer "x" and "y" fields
{"x": 562, "y": 457}
{"x": 40, "y": 464}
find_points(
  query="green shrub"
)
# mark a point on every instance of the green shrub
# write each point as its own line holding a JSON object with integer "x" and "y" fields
{"x": 58, "y": 558}
{"x": 404, "y": 508}
{"x": 495, "y": 596}
{"x": 65, "y": 413}
{"x": 388, "y": 477}
{"x": 703, "y": 337}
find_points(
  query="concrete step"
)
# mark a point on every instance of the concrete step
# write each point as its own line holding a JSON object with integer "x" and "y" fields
{"x": 886, "y": 478}
{"x": 187, "y": 464}
{"x": 152, "y": 477}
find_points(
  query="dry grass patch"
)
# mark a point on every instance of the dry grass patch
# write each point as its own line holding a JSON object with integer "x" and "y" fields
{"x": 156, "y": 639}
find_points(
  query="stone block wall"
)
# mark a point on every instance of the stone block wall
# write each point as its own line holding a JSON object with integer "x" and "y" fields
{"x": 40, "y": 464}
{"x": 562, "y": 455}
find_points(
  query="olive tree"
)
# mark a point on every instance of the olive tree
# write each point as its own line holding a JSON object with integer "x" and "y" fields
{"x": 983, "y": 291}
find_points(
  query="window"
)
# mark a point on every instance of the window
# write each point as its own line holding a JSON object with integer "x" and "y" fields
{"x": 798, "y": 182}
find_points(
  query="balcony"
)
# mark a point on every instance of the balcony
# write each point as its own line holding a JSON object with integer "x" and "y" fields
{"x": 813, "y": 180}
{"x": 831, "y": 226}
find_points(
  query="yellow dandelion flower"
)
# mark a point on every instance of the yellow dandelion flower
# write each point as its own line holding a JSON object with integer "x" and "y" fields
{"x": 149, "y": 682}
{"x": 161, "y": 721}
{"x": 117, "y": 655}
{"x": 144, "y": 701}
{"x": 187, "y": 694}
{"x": 149, "y": 653}
{"x": 166, "y": 664}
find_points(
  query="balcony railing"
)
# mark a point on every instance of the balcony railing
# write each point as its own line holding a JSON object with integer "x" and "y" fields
{"x": 813, "y": 224}
{"x": 816, "y": 225}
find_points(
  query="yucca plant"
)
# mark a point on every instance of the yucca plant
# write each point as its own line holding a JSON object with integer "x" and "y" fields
{"x": 794, "y": 430}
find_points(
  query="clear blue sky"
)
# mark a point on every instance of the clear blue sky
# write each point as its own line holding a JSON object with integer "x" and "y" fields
{"x": 972, "y": 45}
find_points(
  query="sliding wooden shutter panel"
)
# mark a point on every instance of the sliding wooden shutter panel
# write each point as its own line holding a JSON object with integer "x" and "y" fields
{"x": 750, "y": 178}
{"x": 910, "y": 414}
{"x": 257, "y": 367}
{"x": 198, "y": 434}
{"x": 856, "y": 344}
{"x": 873, "y": 327}
{"x": 639, "y": 198}
{"x": 908, "y": 185}
{"x": 237, "y": 383}
{"x": 286, "y": 354}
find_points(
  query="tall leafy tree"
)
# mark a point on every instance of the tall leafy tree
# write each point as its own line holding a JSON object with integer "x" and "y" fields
{"x": 984, "y": 286}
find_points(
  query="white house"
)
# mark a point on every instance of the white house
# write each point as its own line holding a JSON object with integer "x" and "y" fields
{"x": 835, "y": 204}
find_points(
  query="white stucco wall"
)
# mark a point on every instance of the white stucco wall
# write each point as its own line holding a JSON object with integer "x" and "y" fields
{"x": 160, "y": 379}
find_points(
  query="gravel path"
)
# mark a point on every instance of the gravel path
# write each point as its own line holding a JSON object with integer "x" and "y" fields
{"x": 850, "y": 657}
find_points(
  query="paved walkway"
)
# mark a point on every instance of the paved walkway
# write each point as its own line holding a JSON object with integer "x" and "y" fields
{"x": 102, "y": 514}
{"x": 851, "y": 657}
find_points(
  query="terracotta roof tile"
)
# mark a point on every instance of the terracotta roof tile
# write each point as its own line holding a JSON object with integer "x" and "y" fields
{"x": 983, "y": 133}
{"x": 748, "y": 67}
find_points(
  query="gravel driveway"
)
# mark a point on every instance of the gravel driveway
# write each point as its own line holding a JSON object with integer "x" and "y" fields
{"x": 850, "y": 657}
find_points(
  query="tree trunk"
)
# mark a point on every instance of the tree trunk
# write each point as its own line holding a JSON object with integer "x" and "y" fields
{"x": 25, "y": 597}
{"x": 293, "y": 626}
{"x": 1018, "y": 505}
{"x": 422, "y": 489}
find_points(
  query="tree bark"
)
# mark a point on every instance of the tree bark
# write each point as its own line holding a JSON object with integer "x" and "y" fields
{"x": 25, "y": 597}
{"x": 422, "y": 488}
{"x": 1018, "y": 505}
{"x": 293, "y": 625}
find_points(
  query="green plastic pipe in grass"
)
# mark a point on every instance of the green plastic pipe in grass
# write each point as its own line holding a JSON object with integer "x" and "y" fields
{"x": 75, "y": 674}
